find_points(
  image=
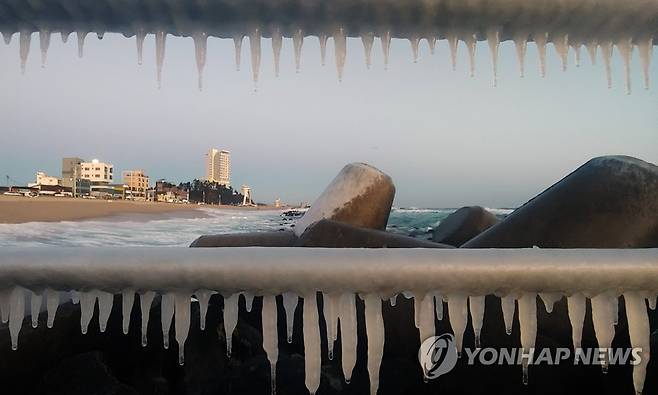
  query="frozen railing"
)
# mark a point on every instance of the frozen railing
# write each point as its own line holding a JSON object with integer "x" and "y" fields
{"x": 460, "y": 277}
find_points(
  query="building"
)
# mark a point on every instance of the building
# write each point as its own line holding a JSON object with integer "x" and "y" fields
{"x": 218, "y": 167}
{"x": 247, "y": 200}
{"x": 168, "y": 192}
{"x": 70, "y": 170}
{"x": 136, "y": 184}
{"x": 43, "y": 179}
{"x": 97, "y": 172}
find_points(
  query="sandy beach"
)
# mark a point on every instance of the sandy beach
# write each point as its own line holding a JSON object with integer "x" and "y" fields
{"x": 18, "y": 209}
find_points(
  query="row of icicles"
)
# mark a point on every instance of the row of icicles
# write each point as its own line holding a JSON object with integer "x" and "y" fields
{"x": 625, "y": 47}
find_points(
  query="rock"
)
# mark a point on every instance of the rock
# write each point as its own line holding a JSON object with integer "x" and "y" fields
{"x": 279, "y": 238}
{"x": 609, "y": 202}
{"x": 332, "y": 234}
{"x": 462, "y": 225}
{"x": 360, "y": 195}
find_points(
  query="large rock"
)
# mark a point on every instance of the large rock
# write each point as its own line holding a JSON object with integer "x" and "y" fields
{"x": 462, "y": 225}
{"x": 332, "y": 234}
{"x": 360, "y": 195}
{"x": 252, "y": 239}
{"x": 609, "y": 202}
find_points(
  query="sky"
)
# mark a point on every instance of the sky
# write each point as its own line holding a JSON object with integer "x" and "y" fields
{"x": 446, "y": 139}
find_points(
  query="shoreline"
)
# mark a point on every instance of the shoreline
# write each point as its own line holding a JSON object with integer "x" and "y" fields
{"x": 19, "y": 210}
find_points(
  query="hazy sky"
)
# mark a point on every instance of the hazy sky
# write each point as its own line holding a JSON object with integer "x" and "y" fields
{"x": 445, "y": 138}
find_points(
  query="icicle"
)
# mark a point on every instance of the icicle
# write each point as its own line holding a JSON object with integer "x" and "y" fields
{"x": 127, "y": 302}
{"x": 375, "y": 333}
{"x": 340, "y": 51}
{"x": 330, "y": 312}
{"x": 604, "y": 324}
{"x": 385, "y": 38}
{"x": 237, "y": 41}
{"x": 160, "y": 42}
{"x": 606, "y": 54}
{"x": 651, "y": 299}
{"x": 167, "y": 306}
{"x": 394, "y": 299}
{"x": 458, "y": 314}
{"x": 182, "y": 322}
{"x": 576, "y": 51}
{"x": 639, "y": 332}
{"x": 298, "y": 41}
{"x": 81, "y": 42}
{"x": 528, "y": 327}
{"x": 248, "y": 301}
{"x": 431, "y": 42}
{"x": 415, "y": 42}
{"x": 625, "y": 48}
{"x": 323, "y": 48}
{"x": 87, "y": 305}
{"x": 290, "y": 301}
{"x": 25, "y": 37}
{"x": 438, "y": 306}
{"x": 417, "y": 308}
{"x": 277, "y": 43}
{"x": 139, "y": 39}
{"x": 52, "y": 303}
{"x": 476, "y": 305}
{"x": 4, "y": 304}
{"x": 230, "y": 319}
{"x": 368, "y": 39}
{"x": 348, "y": 334}
{"x": 576, "y": 306}
{"x": 65, "y": 35}
{"x": 254, "y": 45}
{"x": 6, "y": 36}
{"x": 100, "y": 34}
{"x": 592, "y": 47}
{"x": 311, "y": 343}
{"x": 645, "y": 48}
{"x": 145, "y": 302}
{"x": 540, "y": 41}
{"x": 508, "y": 305}
{"x": 200, "y": 51}
{"x": 521, "y": 44}
{"x": 561, "y": 44}
{"x": 105, "y": 302}
{"x": 452, "y": 42}
{"x": 75, "y": 297}
{"x": 16, "y": 314}
{"x": 44, "y": 43}
{"x": 204, "y": 298}
{"x": 493, "y": 38}
{"x": 549, "y": 300}
{"x": 471, "y": 45}
{"x": 270, "y": 337}
{"x": 426, "y": 325}
{"x": 35, "y": 308}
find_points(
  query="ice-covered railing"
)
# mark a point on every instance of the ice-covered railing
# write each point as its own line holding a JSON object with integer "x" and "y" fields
{"x": 460, "y": 277}
{"x": 598, "y": 25}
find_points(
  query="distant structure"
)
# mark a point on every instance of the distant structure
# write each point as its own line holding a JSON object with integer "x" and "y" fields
{"x": 97, "y": 171}
{"x": 44, "y": 179}
{"x": 218, "y": 166}
{"x": 277, "y": 203}
{"x": 136, "y": 184}
{"x": 70, "y": 171}
{"x": 247, "y": 200}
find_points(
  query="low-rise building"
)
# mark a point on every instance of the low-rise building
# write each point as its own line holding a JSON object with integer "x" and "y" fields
{"x": 168, "y": 192}
{"x": 136, "y": 184}
{"x": 97, "y": 171}
{"x": 44, "y": 179}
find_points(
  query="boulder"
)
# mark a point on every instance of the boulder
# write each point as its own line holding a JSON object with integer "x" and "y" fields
{"x": 609, "y": 202}
{"x": 253, "y": 239}
{"x": 462, "y": 225}
{"x": 332, "y": 234}
{"x": 360, "y": 195}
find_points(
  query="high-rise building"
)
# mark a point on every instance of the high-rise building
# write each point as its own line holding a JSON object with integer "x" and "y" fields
{"x": 136, "y": 184}
{"x": 218, "y": 166}
{"x": 70, "y": 169}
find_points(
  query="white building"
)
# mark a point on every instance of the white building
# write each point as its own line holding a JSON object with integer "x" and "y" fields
{"x": 96, "y": 171}
{"x": 43, "y": 179}
{"x": 218, "y": 166}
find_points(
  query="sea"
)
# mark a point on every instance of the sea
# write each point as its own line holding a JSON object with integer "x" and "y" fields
{"x": 179, "y": 230}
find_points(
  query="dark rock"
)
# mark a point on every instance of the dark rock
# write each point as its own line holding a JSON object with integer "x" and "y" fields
{"x": 462, "y": 225}
{"x": 609, "y": 202}
{"x": 332, "y": 234}
{"x": 254, "y": 239}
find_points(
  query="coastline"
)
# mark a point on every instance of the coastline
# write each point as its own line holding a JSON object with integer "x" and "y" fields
{"x": 17, "y": 210}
